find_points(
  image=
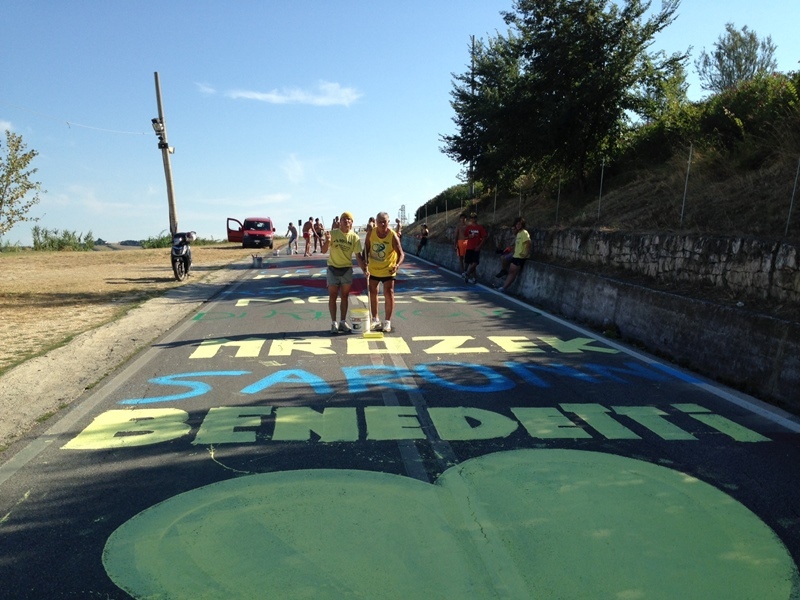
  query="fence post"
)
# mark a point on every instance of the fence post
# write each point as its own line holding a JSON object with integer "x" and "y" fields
{"x": 686, "y": 184}
{"x": 600, "y": 197}
{"x": 791, "y": 204}
{"x": 558, "y": 198}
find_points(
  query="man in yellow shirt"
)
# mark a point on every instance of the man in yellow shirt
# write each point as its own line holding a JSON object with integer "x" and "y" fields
{"x": 522, "y": 251}
{"x": 385, "y": 257}
{"x": 343, "y": 243}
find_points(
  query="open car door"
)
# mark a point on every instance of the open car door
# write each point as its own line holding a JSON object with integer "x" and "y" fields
{"x": 235, "y": 230}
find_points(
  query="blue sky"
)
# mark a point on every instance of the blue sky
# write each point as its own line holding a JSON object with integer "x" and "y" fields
{"x": 280, "y": 108}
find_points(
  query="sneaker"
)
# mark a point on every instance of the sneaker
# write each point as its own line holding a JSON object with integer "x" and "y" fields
{"x": 344, "y": 327}
{"x": 376, "y": 325}
{"x": 473, "y": 279}
{"x": 463, "y": 273}
{"x": 334, "y": 328}
{"x": 387, "y": 327}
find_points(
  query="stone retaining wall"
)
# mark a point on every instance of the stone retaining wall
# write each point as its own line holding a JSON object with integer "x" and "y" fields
{"x": 746, "y": 267}
{"x": 754, "y": 353}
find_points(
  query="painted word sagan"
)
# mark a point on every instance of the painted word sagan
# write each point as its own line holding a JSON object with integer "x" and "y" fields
{"x": 249, "y": 424}
{"x": 451, "y": 375}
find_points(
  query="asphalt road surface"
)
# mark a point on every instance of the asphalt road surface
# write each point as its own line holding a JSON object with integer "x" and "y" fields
{"x": 482, "y": 449}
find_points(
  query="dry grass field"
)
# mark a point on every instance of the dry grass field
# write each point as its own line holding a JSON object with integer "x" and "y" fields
{"x": 47, "y": 298}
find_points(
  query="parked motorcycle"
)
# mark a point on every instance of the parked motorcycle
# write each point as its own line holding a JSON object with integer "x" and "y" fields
{"x": 181, "y": 255}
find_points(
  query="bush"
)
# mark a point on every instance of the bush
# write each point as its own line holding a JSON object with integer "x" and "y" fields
{"x": 163, "y": 240}
{"x": 53, "y": 239}
{"x": 653, "y": 143}
{"x": 9, "y": 247}
{"x": 750, "y": 109}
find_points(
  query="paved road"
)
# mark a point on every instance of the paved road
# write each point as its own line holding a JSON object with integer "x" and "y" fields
{"x": 483, "y": 449}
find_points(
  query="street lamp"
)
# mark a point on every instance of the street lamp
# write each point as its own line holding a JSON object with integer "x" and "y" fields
{"x": 161, "y": 132}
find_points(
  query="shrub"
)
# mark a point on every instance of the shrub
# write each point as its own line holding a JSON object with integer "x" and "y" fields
{"x": 53, "y": 239}
{"x": 750, "y": 109}
{"x": 162, "y": 240}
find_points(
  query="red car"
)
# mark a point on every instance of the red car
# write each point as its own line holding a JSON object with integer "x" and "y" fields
{"x": 255, "y": 232}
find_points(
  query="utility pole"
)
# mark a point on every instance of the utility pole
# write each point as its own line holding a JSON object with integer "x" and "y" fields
{"x": 160, "y": 127}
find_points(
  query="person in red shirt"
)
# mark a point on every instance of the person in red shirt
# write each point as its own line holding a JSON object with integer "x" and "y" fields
{"x": 476, "y": 235}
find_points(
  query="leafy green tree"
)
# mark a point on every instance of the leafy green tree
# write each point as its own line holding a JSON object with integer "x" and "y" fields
{"x": 586, "y": 67}
{"x": 482, "y": 99}
{"x": 557, "y": 92}
{"x": 663, "y": 93}
{"x": 15, "y": 183}
{"x": 738, "y": 56}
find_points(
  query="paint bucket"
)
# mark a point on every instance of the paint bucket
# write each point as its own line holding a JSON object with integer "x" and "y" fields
{"x": 288, "y": 250}
{"x": 359, "y": 319}
{"x": 257, "y": 261}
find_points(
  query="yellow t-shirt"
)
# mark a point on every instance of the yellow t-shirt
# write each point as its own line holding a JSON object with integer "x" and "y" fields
{"x": 382, "y": 255}
{"x": 519, "y": 245}
{"x": 343, "y": 246}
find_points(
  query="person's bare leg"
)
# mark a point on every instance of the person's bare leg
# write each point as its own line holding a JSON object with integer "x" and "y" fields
{"x": 513, "y": 270}
{"x": 388, "y": 299}
{"x": 373, "y": 297}
{"x": 344, "y": 292}
{"x": 333, "y": 293}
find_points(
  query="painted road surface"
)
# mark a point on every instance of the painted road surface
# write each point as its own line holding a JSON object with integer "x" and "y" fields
{"x": 483, "y": 449}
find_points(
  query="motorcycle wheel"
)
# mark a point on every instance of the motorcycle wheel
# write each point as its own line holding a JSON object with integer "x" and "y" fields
{"x": 180, "y": 269}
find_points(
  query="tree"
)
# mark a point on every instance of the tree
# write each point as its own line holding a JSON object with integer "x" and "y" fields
{"x": 587, "y": 63}
{"x": 556, "y": 94}
{"x": 738, "y": 56}
{"x": 664, "y": 93}
{"x": 15, "y": 183}
{"x": 483, "y": 99}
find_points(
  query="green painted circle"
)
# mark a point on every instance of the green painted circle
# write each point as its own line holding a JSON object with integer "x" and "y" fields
{"x": 522, "y": 524}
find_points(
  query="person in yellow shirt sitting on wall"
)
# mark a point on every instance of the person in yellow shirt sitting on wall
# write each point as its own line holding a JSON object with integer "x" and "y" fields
{"x": 385, "y": 255}
{"x": 522, "y": 251}
{"x": 343, "y": 243}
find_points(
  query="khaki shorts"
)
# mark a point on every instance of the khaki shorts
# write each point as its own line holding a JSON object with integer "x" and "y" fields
{"x": 339, "y": 276}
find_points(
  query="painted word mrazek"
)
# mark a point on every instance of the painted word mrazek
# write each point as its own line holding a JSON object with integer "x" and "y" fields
{"x": 253, "y": 347}
{"x": 250, "y": 424}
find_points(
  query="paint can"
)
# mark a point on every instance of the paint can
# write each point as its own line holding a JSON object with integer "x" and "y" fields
{"x": 359, "y": 319}
{"x": 257, "y": 261}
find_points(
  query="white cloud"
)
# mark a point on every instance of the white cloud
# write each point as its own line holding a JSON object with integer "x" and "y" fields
{"x": 6, "y": 126}
{"x": 206, "y": 89}
{"x": 293, "y": 169}
{"x": 327, "y": 94}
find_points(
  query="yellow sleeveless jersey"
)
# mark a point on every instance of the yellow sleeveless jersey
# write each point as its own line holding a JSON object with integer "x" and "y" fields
{"x": 382, "y": 255}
